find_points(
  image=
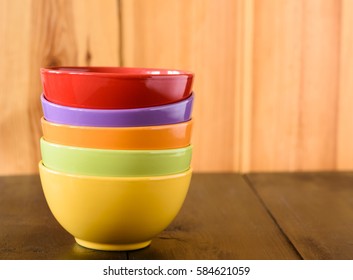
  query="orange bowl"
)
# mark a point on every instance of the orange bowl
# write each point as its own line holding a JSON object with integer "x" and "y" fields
{"x": 119, "y": 138}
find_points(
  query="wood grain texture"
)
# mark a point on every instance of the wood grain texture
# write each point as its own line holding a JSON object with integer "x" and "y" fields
{"x": 273, "y": 82}
{"x": 295, "y": 96}
{"x": 344, "y": 110}
{"x": 313, "y": 209}
{"x": 244, "y": 85}
{"x": 199, "y": 36}
{"x": 266, "y": 216}
{"x": 222, "y": 218}
{"x": 42, "y": 33}
{"x": 279, "y": 84}
{"x": 15, "y": 120}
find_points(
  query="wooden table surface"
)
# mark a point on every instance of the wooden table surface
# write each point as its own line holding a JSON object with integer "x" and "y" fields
{"x": 225, "y": 216}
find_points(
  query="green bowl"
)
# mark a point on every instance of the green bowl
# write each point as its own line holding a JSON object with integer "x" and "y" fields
{"x": 121, "y": 163}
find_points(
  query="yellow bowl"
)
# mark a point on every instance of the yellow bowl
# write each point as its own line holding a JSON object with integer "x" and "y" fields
{"x": 114, "y": 213}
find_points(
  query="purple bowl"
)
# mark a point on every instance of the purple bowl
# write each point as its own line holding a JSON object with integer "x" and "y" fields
{"x": 158, "y": 115}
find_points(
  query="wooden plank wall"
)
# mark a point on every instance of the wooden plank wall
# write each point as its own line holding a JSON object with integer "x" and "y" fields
{"x": 273, "y": 85}
{"x": 41, "y": 33}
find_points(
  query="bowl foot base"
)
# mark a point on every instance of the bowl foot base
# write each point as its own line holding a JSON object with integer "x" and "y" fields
{"x": 112, "y": 247}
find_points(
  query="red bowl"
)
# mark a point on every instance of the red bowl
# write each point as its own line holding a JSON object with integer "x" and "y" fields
{"x": 115, "y": 87}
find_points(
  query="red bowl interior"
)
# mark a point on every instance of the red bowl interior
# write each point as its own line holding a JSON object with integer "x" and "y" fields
{"x": 115, "y": 87}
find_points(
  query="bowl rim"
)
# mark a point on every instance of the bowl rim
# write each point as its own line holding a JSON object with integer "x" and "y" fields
{"x": 48, "y": 103}
{"x": 114, "y": 178}
{"x": 155, "y": 137}
{"x": 118, "y": 128}
{"x": 117, "y": 152}
{"x": 107, "y": 71}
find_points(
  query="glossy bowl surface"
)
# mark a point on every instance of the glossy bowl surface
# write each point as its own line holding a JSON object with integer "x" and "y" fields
{"x": 113, "y": 213}
{"x": 150, "y": 116}
{"x": 160, "y": 137}
{"x": 115, "y": 87}
{"x": 123, "y": 163}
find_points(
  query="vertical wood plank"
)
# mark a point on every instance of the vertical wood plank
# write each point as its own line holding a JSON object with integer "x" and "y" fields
{"x": 319, "y": 90}
{"x": 198, "y": 36}
{"x": 345, "y": 109}
{"x": 97, "y": 32}
{"x": 15, "y": 151}
{"x": 45, "y": 33}
{"x": 243, "y": 85}
{"x": 276, "y": 84}
{"x": 295, "y": 85}
{"x": 273, "y": 78}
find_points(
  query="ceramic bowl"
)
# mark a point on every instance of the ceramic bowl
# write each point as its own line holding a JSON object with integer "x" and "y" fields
{"x": 114, "y": 213}
{"x": 115, "y": 87}
{"x": 161, "y": 137}
{"x": 123, "y": 163}
{"x": 150, "y": 116}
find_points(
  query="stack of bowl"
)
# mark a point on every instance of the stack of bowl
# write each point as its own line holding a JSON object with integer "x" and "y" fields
{"x": 116, "y": 151}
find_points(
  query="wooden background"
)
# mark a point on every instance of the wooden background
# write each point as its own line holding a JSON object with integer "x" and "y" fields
{"x": 274, "y": 78}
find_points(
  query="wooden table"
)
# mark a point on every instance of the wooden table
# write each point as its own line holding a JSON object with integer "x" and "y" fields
{"x": 225, "y": 216}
